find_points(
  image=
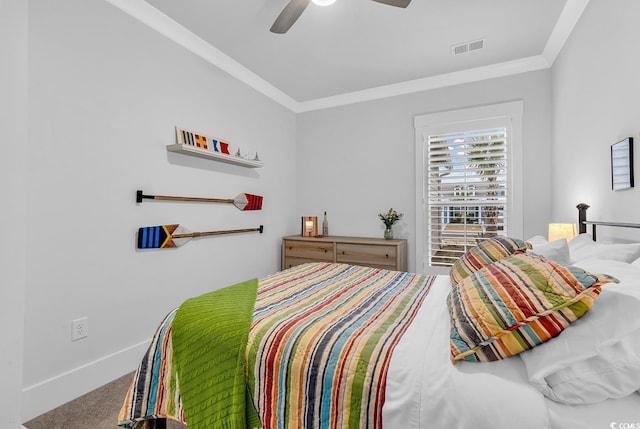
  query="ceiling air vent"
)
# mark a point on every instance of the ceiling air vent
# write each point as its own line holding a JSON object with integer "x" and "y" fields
{"x": 467, "y": 47}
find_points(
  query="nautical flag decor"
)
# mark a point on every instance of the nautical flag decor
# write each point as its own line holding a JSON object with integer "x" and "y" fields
{"x": 224, "y": 148}
{"x": 200, "y": 141}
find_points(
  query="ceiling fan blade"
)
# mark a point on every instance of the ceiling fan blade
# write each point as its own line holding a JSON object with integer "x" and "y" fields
{"x": 397, "y": 3}
{"x": 289, "y": 15}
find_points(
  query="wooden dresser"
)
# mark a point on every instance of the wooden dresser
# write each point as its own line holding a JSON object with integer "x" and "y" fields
{"x": 369, "y": 252}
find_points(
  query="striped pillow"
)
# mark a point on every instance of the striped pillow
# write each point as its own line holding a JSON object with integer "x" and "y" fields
{"x": 485, "y": 253}
{"x": 515, "y": 304}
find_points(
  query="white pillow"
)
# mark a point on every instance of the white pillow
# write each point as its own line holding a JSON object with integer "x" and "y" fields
{"x": 580, "y": 240}
{"x": 537, "y": 240}
{"x": 613, "y": 374}
{"x": 598, "y": 356}
{"x": 557, "y": 250}
{"x": 583, "y": 247}
{"x": 628, "y": 274}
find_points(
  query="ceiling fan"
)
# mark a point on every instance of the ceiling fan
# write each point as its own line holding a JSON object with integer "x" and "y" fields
{"x": 294, "y": 9}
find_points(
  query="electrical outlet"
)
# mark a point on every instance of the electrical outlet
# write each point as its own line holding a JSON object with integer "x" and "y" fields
{"x": 79, "y": 328}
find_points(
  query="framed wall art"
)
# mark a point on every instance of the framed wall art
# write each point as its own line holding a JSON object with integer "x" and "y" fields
{"x": 622, "y": 164}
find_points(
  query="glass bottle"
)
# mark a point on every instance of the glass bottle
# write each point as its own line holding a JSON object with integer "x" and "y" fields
{"x": 325, "y": 225}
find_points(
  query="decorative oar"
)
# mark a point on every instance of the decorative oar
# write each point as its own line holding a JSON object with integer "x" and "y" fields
{"x": 242, "y": 201}
{"x": 165, "y": 236}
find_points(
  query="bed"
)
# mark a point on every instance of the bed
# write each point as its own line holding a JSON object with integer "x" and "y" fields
{"x": 376, "y": 349}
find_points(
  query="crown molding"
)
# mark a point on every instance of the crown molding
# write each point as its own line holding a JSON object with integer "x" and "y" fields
{"x": 567, "y": 20}
{"x": 475, "y": 74}
{"x": 152, "y": 17}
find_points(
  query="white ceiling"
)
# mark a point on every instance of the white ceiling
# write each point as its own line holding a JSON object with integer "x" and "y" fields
{"x": 361, "y": 49}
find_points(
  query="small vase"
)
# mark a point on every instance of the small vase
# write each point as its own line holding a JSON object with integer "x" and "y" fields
{"x": 388, "y": 233}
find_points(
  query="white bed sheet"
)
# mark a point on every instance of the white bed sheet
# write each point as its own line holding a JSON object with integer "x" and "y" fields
{"x": 424, "y": 390}
{"x": 621, "y": 413}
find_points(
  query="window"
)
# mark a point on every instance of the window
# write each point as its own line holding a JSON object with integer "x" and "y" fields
{"x": 468, "y": 179}
{"x": 466, "y": 191}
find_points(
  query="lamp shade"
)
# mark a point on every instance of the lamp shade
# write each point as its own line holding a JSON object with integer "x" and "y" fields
{"x": 558, "y": 231}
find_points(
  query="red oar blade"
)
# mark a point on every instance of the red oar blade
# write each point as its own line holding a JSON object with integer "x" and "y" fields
{"x": 160, "y": 236}
{"x": 248, "y": 202}
{"x": 242, "y": 201}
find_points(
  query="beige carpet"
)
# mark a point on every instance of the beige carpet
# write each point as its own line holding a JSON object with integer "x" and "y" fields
{"x": 96, "y": 410}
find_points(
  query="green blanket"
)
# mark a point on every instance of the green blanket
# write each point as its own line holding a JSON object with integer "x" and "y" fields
{"x": 212, "y": 377}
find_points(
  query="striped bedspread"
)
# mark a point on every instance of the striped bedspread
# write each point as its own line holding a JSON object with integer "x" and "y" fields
{"x": 154, "y": 390}
{"x": 318, "y": 351}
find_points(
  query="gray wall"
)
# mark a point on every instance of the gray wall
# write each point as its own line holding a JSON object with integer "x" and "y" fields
{"x": 358, "y": 160}
{"x": 105, "y": 93}
{"x": 596, "y": 93}
{"x": 13, "y": 141}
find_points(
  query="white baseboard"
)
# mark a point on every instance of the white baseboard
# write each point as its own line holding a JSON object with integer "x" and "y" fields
{"x": 44, "y": 396}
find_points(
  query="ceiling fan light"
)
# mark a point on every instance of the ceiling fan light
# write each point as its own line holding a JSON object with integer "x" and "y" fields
{"x": 323, "y": 2}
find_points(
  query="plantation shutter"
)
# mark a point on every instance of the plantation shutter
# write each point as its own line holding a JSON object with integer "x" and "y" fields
{"x": 467, "y": 188}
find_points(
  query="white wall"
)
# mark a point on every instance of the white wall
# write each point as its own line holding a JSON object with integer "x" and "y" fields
{"x": 13, "y": 141}
{"x": 596, "y": 94}
{"x": 105, "y": 93}
{"x": 358, "y": 160}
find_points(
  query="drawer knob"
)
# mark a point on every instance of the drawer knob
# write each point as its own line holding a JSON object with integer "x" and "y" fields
{"x": 325, "y": 250}
{"x": 386, "y": 255}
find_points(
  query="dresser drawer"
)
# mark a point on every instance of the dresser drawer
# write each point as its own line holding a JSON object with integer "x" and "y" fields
{"x": 289, "y": 262}
{"x": 368, "y": 255}
{"x": 364, "y": 251}
{"x": 315, "y": 251}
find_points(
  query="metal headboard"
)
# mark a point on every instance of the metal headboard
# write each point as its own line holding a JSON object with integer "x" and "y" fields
{"x": 583, "y": 222}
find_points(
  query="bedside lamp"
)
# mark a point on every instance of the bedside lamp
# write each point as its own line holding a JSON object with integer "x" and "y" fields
{"x": 558, "y": 231}
{"x": 309, "y": 226}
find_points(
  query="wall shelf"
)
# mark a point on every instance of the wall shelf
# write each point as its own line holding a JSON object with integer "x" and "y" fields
{"x": 192, "y": 151}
